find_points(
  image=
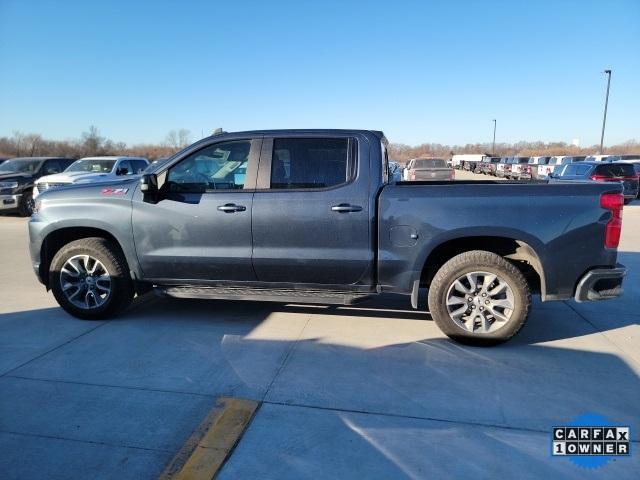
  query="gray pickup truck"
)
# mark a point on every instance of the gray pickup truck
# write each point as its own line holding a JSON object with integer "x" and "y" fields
{"x": 311, "y": 216}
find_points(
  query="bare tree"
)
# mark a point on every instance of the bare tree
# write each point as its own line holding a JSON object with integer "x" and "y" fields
{"x": 178, "y": 139}
{"x": 184, "y": 138}
{"x": 32, "y": 143}
{"x": 91, "y": 141}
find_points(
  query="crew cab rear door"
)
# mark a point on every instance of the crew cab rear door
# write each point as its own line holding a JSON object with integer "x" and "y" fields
{"x": 311, "y": 211}
{"x": 200, "y": 229}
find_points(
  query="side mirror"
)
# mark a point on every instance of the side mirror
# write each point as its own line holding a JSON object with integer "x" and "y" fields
{"x": 52, "y": 171}
{"x": 149, "y": 187}
{"x": 122, "y": 171}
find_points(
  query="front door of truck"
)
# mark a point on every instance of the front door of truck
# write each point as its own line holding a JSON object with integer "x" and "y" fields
{"x": 311, "y": 217}
{"x": 200, "y": 229}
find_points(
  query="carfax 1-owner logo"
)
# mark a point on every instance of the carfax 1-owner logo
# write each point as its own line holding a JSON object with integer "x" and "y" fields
{"x": 591, "y": 441}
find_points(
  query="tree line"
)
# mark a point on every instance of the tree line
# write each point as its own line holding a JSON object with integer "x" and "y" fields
{"x": 92, "y": 143}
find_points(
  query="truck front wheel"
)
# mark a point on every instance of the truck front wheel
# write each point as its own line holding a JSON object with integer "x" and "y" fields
{"x": 479, "y": 298}
{"x": 90, "y": 280}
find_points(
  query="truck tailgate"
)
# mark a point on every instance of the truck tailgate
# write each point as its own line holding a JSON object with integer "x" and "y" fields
{"x": 431, "y": 174}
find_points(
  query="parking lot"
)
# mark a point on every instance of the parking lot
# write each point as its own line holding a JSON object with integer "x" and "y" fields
{"x": 374, "y": 391}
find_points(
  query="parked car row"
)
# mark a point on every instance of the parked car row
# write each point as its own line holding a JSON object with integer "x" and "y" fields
{"x": 627, "y": 173}
{"x": 24, "y": 178}
{"x": 530, "y": 168}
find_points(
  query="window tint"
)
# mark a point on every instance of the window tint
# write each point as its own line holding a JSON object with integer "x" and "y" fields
{"x": 616, "y": 170}
{"x": 431, "y": 163}
{"x": 126, "y": 164}
{"x": 310, "y": 162}
{"x": 52, "y": 166}
{"x": 221, "y": 166}
{"x": 575, "y": 169}
{"x": 138, "y": 166}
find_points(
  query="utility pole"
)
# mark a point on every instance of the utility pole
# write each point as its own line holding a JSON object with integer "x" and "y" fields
{"x": 493, "y": 149}
{"x": 606, "y": 104}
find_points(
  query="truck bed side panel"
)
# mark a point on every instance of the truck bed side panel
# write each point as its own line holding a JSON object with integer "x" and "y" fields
{"x": 564, "y": 225}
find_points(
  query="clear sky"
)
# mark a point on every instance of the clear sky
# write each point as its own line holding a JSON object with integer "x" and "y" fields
{"x": 424, "y": 71}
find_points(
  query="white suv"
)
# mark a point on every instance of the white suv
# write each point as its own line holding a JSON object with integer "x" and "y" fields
{"x": 92, "y": 169}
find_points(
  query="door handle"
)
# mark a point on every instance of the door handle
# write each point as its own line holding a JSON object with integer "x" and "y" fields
{"x": 231, "y": 207}
{"x": 345, "y": 208}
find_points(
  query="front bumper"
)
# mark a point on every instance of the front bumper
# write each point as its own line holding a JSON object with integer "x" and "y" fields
{"x": 600, "y": 284}
{"x": 10, "y": 202}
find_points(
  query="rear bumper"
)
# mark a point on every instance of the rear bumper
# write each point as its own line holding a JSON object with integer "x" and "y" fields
{"x": 600, "y": 284}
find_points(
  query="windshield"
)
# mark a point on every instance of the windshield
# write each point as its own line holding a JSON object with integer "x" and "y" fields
{"x": 20, "y": 166}
{"x": 430, "y": 163}
{"x": 90, "y": 165}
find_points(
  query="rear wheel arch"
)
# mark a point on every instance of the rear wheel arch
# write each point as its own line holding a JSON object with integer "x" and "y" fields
{"x": 518, "y": 252}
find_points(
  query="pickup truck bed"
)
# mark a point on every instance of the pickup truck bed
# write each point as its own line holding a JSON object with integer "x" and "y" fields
{"x": 310, "y": 216}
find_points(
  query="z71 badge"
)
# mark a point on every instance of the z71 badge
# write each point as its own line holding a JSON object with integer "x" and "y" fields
{"x": 114, "y": 191}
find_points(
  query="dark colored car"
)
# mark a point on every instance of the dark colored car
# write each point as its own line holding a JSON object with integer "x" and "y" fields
{"x": 602, "y": 172}
{"x": 17, "y": 177}
{"x": 429, "y": 169}
{"x": 314, "y": 219}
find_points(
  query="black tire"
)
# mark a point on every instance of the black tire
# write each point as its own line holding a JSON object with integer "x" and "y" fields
{"x": 627, "y": 201}
{"x": 25, "y": 208}
{"x": 479, "y": 260}
{"x": 122, "y": 290}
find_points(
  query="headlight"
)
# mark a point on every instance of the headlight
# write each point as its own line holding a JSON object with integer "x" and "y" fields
{"x": 4, "y": 185}
{"x": 37, "y": 204}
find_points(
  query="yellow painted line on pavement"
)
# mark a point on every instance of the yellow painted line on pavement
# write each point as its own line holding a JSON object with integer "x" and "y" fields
{"x": 210, "y": 444}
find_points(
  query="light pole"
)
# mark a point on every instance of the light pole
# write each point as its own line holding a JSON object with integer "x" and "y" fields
{"x": 493, "y": 149}
{"x": 606, "y": 104}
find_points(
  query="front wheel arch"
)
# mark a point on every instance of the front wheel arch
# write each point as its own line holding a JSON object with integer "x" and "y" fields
{"x": 57, "y": 239}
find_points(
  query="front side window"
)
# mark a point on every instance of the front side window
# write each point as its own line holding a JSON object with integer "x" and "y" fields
{"x": 311, "y": 162}
{"x": 125, "y": 165}
{"x": 222, "y": 166}
{"x": 52, "y": 166}
{"x": 138, "y": 166}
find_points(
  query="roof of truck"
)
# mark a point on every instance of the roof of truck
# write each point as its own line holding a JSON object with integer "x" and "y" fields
{"x": 328, "y": 131}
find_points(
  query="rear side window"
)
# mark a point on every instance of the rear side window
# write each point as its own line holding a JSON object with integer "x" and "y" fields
{"x": 575, "y": 169}
{"x": 615, "y": 170}
{"x": 311, "y": 162}
{"x": 430, "y": 163}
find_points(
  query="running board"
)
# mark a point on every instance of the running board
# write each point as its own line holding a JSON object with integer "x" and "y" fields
{"x": 331, "y": 297}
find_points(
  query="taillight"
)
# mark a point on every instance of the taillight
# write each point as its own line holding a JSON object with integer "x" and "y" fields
{"x": 452, "y": 175}
{"x": 602, "y": 178}
{"x": 412, "y": 174}
{"x": 613, "y": 229}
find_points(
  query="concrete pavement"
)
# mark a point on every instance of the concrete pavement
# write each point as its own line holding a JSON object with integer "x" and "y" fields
{"x": 372, "y": 391}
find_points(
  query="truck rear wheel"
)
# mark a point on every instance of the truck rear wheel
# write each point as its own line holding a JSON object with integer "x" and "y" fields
{"x": 479, "y": 298}
{"x": 90, "y": 280}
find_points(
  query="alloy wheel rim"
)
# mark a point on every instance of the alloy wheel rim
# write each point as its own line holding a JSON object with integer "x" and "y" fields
{"x": 85, "y": 282}
{"x": 480, "y": 302}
